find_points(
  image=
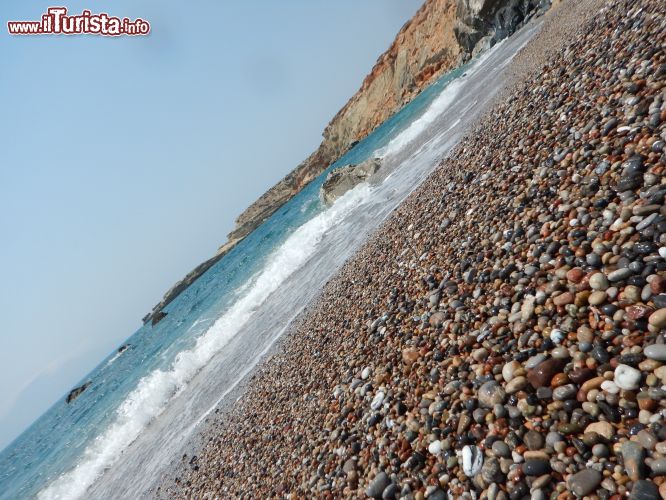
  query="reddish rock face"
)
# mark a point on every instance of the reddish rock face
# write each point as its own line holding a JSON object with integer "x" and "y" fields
{"x": 440, "y": 37}
{"x": 424, "y": 49}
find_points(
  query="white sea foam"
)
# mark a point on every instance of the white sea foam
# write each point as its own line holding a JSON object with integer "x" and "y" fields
{"x": 116, "y": 356}
{"x": 154, "y": 391}
{"x": 438, "y": 106}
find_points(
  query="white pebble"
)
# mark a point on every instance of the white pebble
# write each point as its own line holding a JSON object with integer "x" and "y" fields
{"x": 472, "y": 459}
{"x": 365, "y": 373}
{"x": 557, "y": 336}
{"x": 627, "y": 378}
{"x": 435, "y": 448}
{"x": 610, "y": 387}
{"x": 377, "y": 401}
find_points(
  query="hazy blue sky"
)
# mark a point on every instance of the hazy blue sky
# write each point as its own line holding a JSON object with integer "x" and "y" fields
{"x": 124, "y": 161}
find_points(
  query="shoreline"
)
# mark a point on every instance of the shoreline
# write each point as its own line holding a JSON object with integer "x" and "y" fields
{"x": 289, "y": 354}
{"x": 459, "y": 42}
{"x": 228, "y": 402}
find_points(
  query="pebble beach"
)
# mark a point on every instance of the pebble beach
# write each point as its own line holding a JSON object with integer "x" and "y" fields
{"x": 503, "y": 334}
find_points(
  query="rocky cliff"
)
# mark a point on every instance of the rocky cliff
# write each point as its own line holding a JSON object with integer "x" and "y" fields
{"x": 441, "y": 35}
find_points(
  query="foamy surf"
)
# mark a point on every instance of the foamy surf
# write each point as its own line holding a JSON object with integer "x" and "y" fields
{"x": 155, "y": 390}
{"x": 436, "y": 108}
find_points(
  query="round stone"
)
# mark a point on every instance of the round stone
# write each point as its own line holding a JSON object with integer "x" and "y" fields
{"x": 564, "y": 392}
{"x": 516, "y": 384}
{"x": 490, "y": 394}
{"x": 557, "y": 336}
{"x": 600, "y": 450}
{"x": 610, "y": 387}
{"x": 658, "y": 318}
{"x": 536, "y": 467}
{"x": 658, "y": 466}
{"x": 584, "y": 482}
{"x": 377, "y": 401}
{"x": 598, "y": 281}
{"x": 435, "y": 448}
{"x": 632, "y": 293}
{"x": 656, "y": 351}
{"x": 626, "y": 377}
{"x": 604, "y": 429}
{"x": 509, "y": 369}
{"x": 619, "y": 275}
{"x": 501, "y": 449}
{"x": 533, "y": 440}
{"x": 596, "y": 298}
{"x": 378, "y": 485}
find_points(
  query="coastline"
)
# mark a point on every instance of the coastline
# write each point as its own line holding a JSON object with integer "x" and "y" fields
{"x": 228, "y": 401}
{"x": 442, "y": 36}
{"x": 291, "y": 367}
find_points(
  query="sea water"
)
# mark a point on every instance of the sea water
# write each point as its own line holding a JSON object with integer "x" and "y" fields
{"x": 144, "y": 404}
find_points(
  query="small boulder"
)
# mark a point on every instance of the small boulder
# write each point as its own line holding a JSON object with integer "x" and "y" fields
{"x": 76, "y": 392}
{"x": 341, "y": 180}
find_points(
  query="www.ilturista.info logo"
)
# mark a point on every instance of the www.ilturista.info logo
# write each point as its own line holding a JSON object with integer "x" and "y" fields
{"x": 57, "y": 22}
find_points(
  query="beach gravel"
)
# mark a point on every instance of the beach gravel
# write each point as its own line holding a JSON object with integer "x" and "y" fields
{"x": 501, "y": 335}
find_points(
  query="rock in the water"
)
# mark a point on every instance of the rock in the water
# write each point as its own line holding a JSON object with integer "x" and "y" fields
{"x": 341, "y": 180}
{"x": 482, "y": 24}
{"x": 157, "y": 317}
{"x": 76, "y": 392}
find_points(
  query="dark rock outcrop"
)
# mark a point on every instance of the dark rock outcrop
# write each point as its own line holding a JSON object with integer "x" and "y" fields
{"x": 157, "y": 317}
{"x": 76, "y": 392}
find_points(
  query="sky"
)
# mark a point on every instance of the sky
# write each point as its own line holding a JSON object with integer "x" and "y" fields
{"x": 124, "y": 161}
